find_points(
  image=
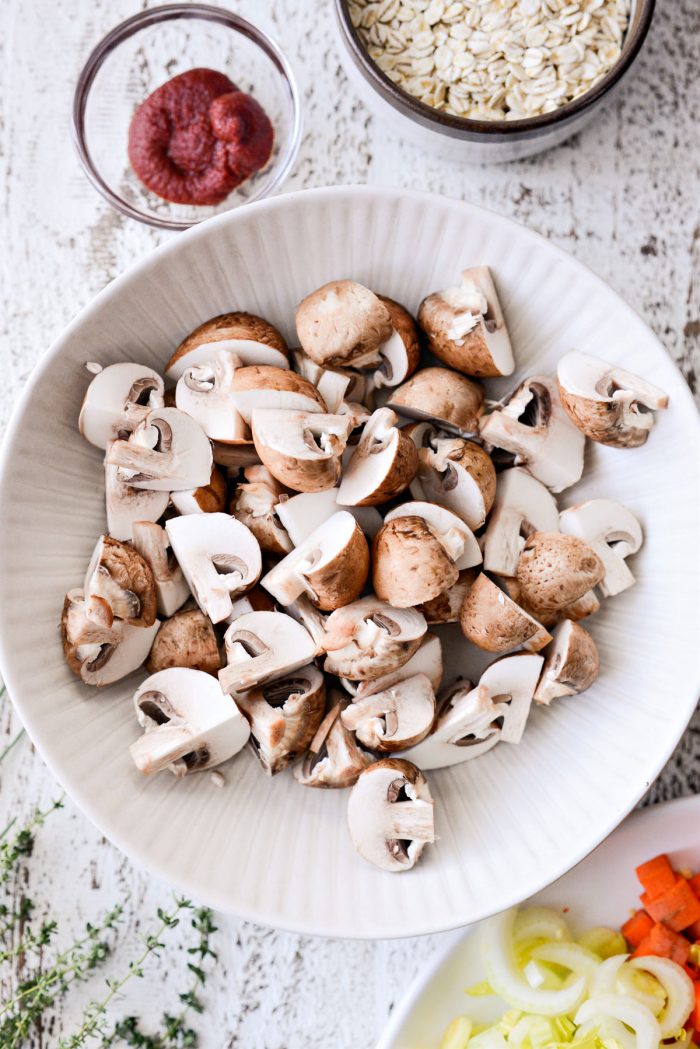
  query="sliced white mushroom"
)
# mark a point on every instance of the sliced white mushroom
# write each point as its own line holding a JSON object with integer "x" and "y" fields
{"x": 606, "y": 402}
{"x": 613, "y": 532}
{"x": 121, "y": 579}
{"x": 522, "y": 506}
{"x": 394, "y": 718}
{"x": 456, "y": 474}
{"x": 206, "y": 392}
{"x": 466, "y": 328}
{"x": 186, "y": 639}
{"x": 555, "y": 570}
{"x": 168, "y": 451}
{"x": 207, "y": 499}
{"x": 98, "y": 652}
{"x": 254, "y": 503}
{"x": 219, "y": 557}
{"x": 494, "y": 622}
{"x": 571, "y": 666}
{"x": 368, "y": 638}
{"x": 265, "y": 387}
{"x": 390, "y": 814}
{"x": 302, "y": 450}
{"x": 119, "y": 397}
{"x": 189, "y": 724}
{"x": 534, "y": 428}
{"x": 303, "y": 513}
{"x": 261, "y": 647}
{"x": 334, "y": 758}
{"x": 382, "y": 465}
{"x": 152, "y": 542}
{"x": 253, "y": 339}
{"x": 453, "y": 534}
{"x": 427, "y": 660}
{"x": 343, "y": 323}
{"x": 468, "y": 725}
{"x": 125, "y": 504}
{"x": 445, "y": 398}
{"x": 284, "y": 716}
{"x": 331, "y": 566}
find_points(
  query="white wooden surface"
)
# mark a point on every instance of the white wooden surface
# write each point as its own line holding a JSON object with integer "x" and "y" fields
{"x": 622, "y": 197}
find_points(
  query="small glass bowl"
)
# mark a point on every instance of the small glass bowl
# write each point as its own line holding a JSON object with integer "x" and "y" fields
{"x": 138, "y": 56}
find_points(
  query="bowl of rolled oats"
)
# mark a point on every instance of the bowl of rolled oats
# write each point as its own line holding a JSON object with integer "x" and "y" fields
{"x": 489, "y": 80}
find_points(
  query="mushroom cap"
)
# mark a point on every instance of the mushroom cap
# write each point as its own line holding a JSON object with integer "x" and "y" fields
{"x": 555, "y": 570}
{"x": 78, "y": 630}
{"x": 369, "y": 637}
{"x": 205, "y": 391}
{"x": 342, "y": 323}
{"x": 522, "y": 506}
{"x": 533, "y": 426}
{"x": 263, "y": 386}
{"x": 492, "y": 621}
{"x": 394, "y": 718}
{"x": 186, "y": 639}
{"x": 168, "y": 451}
{"x": 219, "y": 556}
{"x": 125, "y": 504}
{"x": 427, "y": 660}
{"x": 400, "y": 354}
{"x": 456, "y": 537}
{"x": 119, "y": 575}
{"x": 458, "y": 475}
{"x": 606, "y": 402}
{"x": 207, "y": 499}
{"x": 334, "y": 758}
{"x": 253, "y": 339}
{"x": 301, "y": 514}
{"x": 610, "y": 529}
{"x": 466, "y": 328}
{"x": 445, "y": 608}
{"x": 302, "y": 450}
{"x": 382, "y": 465}
{"x": 390, "y": 814}
{"x": 97, "y": 652}
{"x": 409, "y": 563}
{"x": 254, "y": 504}
{"x": 190, "y": 725}
{"x": 261, "y": 647}
{"x": 571, "y": 665}
{"x": 284, "y": 716}
{"x": 331, "y": 566}
{"x": 117, "y": 399}
{"x": 437, "y": 394}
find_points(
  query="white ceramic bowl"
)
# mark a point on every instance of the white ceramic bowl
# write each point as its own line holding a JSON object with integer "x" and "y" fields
{"x": 600, "y": 891}
{"x": 510, "y": 822}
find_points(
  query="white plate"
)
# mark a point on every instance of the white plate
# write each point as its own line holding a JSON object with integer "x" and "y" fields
{"x": 510, "y": 822}
{"x": 600, "y": 891}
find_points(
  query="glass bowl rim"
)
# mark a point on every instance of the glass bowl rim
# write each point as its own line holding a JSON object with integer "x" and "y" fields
{"x": 164, "y": 13}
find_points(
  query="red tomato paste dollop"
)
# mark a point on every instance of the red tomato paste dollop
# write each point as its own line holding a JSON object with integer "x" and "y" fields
{"x": 197, "y": 137}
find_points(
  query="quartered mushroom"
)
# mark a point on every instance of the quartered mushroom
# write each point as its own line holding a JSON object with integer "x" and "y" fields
{"x": 522, "y": 506}
{"x": 331, "y": 566}
{"x": 556, "y": 570}
{"x": 449, "y": 400}
{"x": 254, "y": 600}
{"x": 426, "y": 660}
{"x": 613, "y": 532}
{"x": 534, "y": 428}
{"x": 262, "y": 386}
{"x": 456, "y": 536}
{"x": 606, "y": 402}
{"x": 334, "y": 758}
{"x": 571, "y": 665}
{"x": 125, "y": 504}
{"x": 492, "y": 621}
{"x": 466, "y": 328}
{"x": 382, "y": 465}
{"x": 219, "y": 557}
{"x": 205, "y": 392}
{"x": 252, "y": 339}
{"x": 152, "y": 543}
{"x": 261, "y": 647}
{"x": 400, "y": 354}
{"x": 167, "y": 452}
{"x": 337, "y": 386}
{"x": 254, "y": 503}
{"x": 207, "y": 499}
{"x": 303, "y": 513}
{"x": 302, "y": 450}
{"x": 310, "y": 618}
{"x": 584, "y": 606}
{"x": 189, "y": 724}
{"x": 284, "y": 716}
{"x": 456, "y": 474}
{"x": 368, "y": 638}
{"x": 343, "y": 323}
{"x": 410, "y": 563}
{"x": 446, "y": 607}
{"x": 120, "y": 583}
{"x": 390, "y": 814}
{"x": 397, "y": 717}
{"x": 98, "y": 653}
{"x": 186, "y": 639}
{"x": 117, "y": 400}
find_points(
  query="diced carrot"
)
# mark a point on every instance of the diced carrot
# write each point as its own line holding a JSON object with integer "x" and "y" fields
{"x": 693, "y": 932}
{"x": 695, "y": 1015}
{"x": 694, "y": 883}
{"x": 656, "y": 876}
{"x": 678, "y": 907}
{"x": 637, "y": 928}
{"x": 665, "y": 943}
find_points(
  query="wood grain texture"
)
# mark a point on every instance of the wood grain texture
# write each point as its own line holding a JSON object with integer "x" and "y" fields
{"x": 622, "y": 197}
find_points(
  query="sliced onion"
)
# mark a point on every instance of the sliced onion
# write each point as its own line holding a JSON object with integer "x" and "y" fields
{"x": 570, "y": 956}
{"x": 507, "y": 980}
{"x": 628, "y": 1011}
{"x": 607, "y": 1028}
{"x": 629, "y": 981}
{"x": 605, "y": 979}
{"x": 533, "y": 923}
{"x": 530, "y": 1026}
{"x": 680, "y": 993}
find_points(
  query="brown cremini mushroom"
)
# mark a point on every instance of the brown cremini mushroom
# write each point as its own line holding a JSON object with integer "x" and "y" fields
{"x": 207, "y": 499}
{"x": 492, "y": 621}
{"x": 262, "y": 386}
{"x": 262, "y": 647}
{"x": 152, "y": 543}
{"x": 390, "y": 814}
{"x": 368, "y": 638}
{"x": 382, "y": 465}
{"x": 97, "y": 652}
{"x": 449, "y": 400}
{"x": 252, "y": 339}
{"x": 397, "y": 717}
{"x": 117, "y": 400}
{"x": 343, "y": 323}
{"x": 571, "y": 665}
{"x": 409, "y": 563}
{"x": 302, "y": 450}
{"x": 456, "y": 474}
{"x": 284, "y": 716}
{"x": 334, "y": 758}
{"x": 186, "y": 639}
{"x": 121, "y": 578}
{"x": 167, "y": 452}
{"x": 555, "y": 570}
